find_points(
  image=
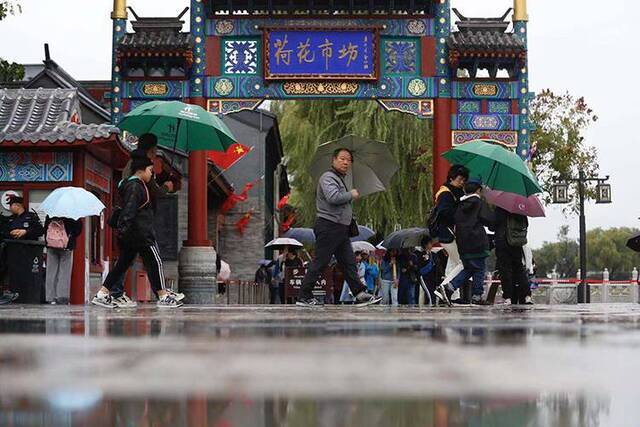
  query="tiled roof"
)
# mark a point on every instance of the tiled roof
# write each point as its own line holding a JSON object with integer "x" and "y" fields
{"x": 156, "y": 40}
{"x": 485, "y": 41}
{"x": 33, "y": 115}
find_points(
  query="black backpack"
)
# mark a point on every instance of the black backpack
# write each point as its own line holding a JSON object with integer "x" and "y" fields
{"x": 517, "y": 226}
{"x": 433, "y": 220}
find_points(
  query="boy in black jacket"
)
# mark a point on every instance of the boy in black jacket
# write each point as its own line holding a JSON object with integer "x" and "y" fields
{"x": 136, "y": 236}
{"x": 471, "y": 217}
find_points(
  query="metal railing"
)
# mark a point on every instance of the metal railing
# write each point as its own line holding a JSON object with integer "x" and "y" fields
{"x": 244, "y": 292}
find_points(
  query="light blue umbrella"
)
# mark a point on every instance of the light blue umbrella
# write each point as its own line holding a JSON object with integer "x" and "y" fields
{"x": 71, "y": 202}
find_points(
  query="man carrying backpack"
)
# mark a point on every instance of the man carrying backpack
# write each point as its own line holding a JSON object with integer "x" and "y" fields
{"x": 510, "y": 238}
{"x": 442, "y": 222}
{"x": 60, "y": 236}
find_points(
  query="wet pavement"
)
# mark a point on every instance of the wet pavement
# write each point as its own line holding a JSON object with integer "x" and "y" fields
{"x": 336, "y": 366}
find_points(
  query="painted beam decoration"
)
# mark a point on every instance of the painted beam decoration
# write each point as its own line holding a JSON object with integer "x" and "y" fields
{"x": 294, "y": 54}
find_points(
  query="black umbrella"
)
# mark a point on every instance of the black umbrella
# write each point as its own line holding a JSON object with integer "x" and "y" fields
{"x": 407, "y": 238}
{"x": 634, "y": 243}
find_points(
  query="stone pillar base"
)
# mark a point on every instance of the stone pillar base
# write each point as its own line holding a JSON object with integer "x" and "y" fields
{"x": 197, "y": 275}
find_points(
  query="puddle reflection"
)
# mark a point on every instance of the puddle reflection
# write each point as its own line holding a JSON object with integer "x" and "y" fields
{"x": 90, "y": 409}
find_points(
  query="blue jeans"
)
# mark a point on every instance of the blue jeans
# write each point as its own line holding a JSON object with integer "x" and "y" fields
{"x": 473, "y": 268}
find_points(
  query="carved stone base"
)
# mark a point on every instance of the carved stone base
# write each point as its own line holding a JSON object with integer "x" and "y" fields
{"x": 556, "y": 294}
{"x": 198, "y": 275}
{"x": 615, "y": 293}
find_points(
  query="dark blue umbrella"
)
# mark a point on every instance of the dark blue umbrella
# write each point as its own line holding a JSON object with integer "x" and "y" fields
{"x": 304, "y": 235}
{"x": 365, "y": 234}
{"x": 407, "y": 238}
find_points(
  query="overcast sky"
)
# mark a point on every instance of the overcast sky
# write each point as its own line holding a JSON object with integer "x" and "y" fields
{"x": 586, "y": 47}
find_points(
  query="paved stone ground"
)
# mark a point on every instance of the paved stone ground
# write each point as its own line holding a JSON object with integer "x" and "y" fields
{"x": 579, "y": 363}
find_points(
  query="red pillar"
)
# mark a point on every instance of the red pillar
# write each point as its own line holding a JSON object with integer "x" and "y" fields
{"x": 441, "y": 141}
{"x": 197, "y": 234}
{"x": 78, "y": 271}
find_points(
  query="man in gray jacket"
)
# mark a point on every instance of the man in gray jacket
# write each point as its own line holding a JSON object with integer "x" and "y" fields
{"x": 333, "y": 219}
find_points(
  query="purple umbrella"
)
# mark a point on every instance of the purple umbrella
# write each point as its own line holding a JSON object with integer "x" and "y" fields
{"x": 515, "y": 203}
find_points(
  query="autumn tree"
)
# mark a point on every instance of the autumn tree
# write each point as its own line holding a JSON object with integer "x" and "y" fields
{"x": 560, "y": 149}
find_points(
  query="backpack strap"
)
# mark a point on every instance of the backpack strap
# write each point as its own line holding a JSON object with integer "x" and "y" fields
{"x": 146, "y": 190}
{"x": 443, "y": 189}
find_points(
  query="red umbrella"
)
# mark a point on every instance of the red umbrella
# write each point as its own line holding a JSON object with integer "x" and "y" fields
{"x": 515, "y": 203}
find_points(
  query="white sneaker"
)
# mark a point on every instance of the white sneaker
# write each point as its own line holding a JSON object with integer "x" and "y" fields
{"x": 178, "y": 296}
{"x": 124, "y": 302}
{"x": 168, "y": 302}
{"x": 507, "y": 301}
{"x": 103, "y": 301}
{"x": 528, "y": 300}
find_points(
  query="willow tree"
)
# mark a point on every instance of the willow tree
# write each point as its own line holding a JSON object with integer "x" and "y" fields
{"x": 306, "y": 124}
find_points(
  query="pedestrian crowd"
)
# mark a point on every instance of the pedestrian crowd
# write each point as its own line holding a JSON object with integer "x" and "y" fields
{"x": 449, "y": 266}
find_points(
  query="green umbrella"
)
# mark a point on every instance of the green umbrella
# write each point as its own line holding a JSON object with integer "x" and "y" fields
{"x": 373, "y": 164}
{"x": 179, "y": 126}
{"x": 498, "y": 167}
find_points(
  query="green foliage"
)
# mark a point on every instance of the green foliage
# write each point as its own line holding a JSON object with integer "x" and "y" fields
{"x": 10, "y": 71}
{"x": 605, "y": 249}
{"x": 306, "y": 124}
{"x": 561, "y": 121}
{"x": 9, "y": 8}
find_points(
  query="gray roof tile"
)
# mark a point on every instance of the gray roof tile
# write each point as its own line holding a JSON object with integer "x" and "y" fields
{"x": 474, "y": 41}
{"x": 157, "y": 40}
{"x": 33, "y": 115}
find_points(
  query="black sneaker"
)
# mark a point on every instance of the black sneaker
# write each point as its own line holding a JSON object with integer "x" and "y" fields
{"x": 461, "y": 301}
{"x": 8, "y": 297}
{"x": 444, "y": 292}
{"x": 309, "y": 302}
{"x": 477, "y": 300}
{"x": 364, "y": 299}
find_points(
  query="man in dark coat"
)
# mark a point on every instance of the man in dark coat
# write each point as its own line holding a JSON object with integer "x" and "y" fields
{"x": 510, "y": 261}
{"x": 22, "y": 225}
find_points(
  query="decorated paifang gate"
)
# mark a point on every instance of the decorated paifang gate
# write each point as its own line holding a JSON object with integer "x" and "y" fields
{"x": 472, "y": 81}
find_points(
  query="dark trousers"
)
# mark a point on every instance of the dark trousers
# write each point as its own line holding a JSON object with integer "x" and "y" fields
{"x": 515, "y": 283}
{"x": 474, "y": 268}
{"x": 331, "y": 239}
{"x": 152, "y": 264}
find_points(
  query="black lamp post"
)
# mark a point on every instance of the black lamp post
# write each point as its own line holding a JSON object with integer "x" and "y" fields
{"x": 603, "y": 195}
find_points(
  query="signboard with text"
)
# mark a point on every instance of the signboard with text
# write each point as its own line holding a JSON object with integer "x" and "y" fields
{"x": 293, "y": 277}
{"x": 303, "y": 54}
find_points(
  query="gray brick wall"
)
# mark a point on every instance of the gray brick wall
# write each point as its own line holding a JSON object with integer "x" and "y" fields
{"x": 243, "y": 251}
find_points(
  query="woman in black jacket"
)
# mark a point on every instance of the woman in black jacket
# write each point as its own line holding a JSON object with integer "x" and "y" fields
{"x": 60, "y": 235}
{"x": 136, "y": 236}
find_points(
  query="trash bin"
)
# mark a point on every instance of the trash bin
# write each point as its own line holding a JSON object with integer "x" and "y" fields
{"x": 26, "y": 270}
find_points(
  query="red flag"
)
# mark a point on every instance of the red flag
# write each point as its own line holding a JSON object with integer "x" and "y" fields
{"x": 283, "y": 202}
{"x": 286, "y": 225}
{"x": 225, "y": 159}
{"x": 233, "y": 198}
{"x": 244, "y": 221}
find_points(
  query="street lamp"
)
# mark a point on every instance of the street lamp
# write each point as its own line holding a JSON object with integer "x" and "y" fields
{"x": 560, "y": 194}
